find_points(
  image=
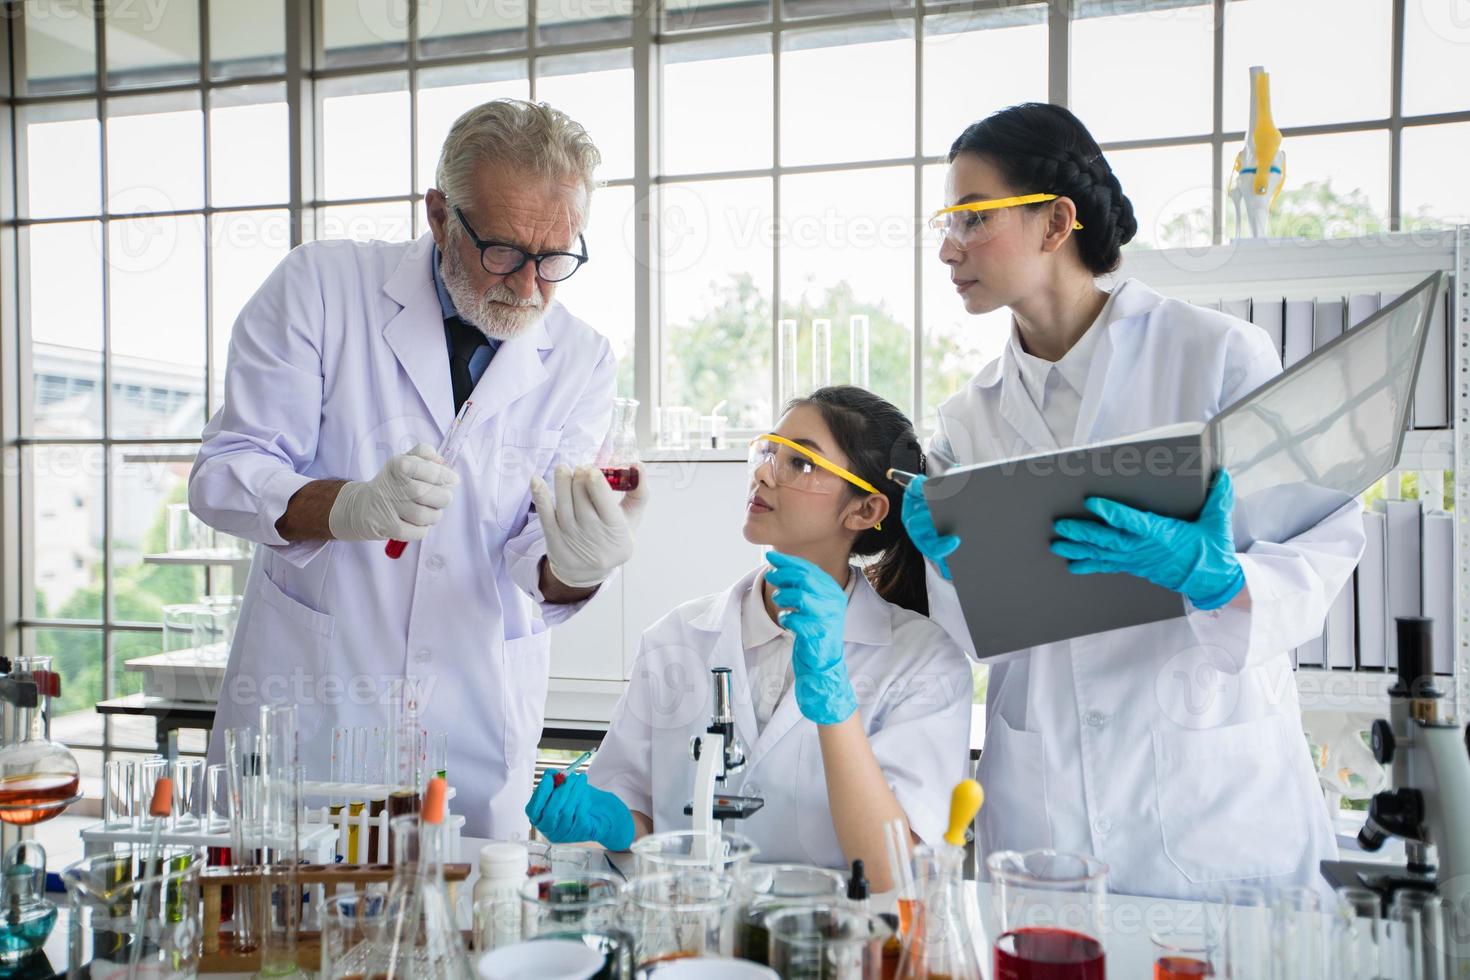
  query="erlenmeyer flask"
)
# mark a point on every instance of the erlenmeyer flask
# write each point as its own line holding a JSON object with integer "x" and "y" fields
{"x": 939, "y": 942}
{"x": 38, "y": 777}
{"x": 422, "y": 940}
{"x": 621, "y": 465}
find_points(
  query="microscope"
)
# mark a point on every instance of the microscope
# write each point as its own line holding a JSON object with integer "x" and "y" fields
{"x": 1428, "y": 799}
{"x": 717, "y": 754}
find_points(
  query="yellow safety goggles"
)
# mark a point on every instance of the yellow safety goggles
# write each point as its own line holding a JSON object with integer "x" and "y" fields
{"x": 793, "y": 465}
{"x": 976, "y": 222}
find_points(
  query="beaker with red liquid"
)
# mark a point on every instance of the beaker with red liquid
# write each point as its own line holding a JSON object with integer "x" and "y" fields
{"x": 1049, "y": 906}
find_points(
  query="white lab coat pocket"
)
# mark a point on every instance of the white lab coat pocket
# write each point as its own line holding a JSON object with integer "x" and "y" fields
{"x": 1013, "y": 771}
{"x": 1230, "y": 801}
{"x": 292, "y": 641}
{"x": 524, "y": 453}
{"x": 526, "y": 676}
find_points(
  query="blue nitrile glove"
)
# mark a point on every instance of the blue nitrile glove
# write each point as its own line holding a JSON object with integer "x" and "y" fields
{"x": 577, "y": 811}
{"x": 1195, "y": 558}
{"x": 920, "y": 524}
{"x": 815, "y": 609}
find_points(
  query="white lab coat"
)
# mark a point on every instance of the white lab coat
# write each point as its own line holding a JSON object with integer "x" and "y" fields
{"x": 337, "y": 363}
{"x": 1172, "y": 751}
{"x": 914, "y": 688}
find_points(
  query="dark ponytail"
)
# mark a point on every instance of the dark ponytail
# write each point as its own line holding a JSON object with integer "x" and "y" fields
{"x": 1043, "y": 149}
{"x": 874, "y": 436}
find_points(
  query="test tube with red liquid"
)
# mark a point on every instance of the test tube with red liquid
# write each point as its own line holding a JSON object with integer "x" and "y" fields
{"x": 448, "y": 452}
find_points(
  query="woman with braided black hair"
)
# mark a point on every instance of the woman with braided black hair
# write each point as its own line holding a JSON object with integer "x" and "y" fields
{"x": 1173, "y": 751}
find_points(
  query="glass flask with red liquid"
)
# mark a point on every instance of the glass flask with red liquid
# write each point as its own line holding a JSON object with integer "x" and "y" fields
{"x": 1049, "y": 906}
{"x": 38, "y": 777}
{"x": 621, "y": 464}
{"x": 939, "y": 942}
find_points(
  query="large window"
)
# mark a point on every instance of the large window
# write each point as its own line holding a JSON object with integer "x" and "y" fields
{"x": 764, "y": 161}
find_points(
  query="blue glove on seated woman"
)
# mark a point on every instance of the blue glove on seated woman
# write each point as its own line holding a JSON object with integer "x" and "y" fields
{"x": 1195, "y": 558}
{"x": 578, "y": 811}
{"x": 920, "y": 524}
{"x": 815, "y": 609}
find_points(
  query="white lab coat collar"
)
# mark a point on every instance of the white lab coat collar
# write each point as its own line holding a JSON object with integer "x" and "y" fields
{"x": 416, "y": 336}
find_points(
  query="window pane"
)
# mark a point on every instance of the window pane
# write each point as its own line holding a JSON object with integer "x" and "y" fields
{"x": 1336, "y": 187}
{"x": 1169, "y": 187}
{"x": 1342, "y": 81}
{"x": 596, "y": 89}
{"x": 61, "y": 46}
{"x": 1436, "y": 70}
{"x": 956, "y": 344}
{"x": 156, "y": 303}
{"x": 869, "y": 116}
{"x": 151, "y": 44}
{"x": 66, "y": 329}
{"x": 977, "y": 62}
{"x": 356, "y": 33}
{"x": 77, "y": 656}
{"x": 688, "y": 15}
{"x": 246, "y": 245}
{"x": 365, "y": 136}
{"x": 822, "y": 8}
{"x": 446, "y": 93}
{"x": 391, "y": 221}
{"x": 1167, "y": 93}
{"x": 63, "y": 154}
{"x": 248, "y": 146}
{"x": 145, "y": 481}
{"x": 578, "y": 21}
{"x": 601, "y": 292}
{"x": 62, "y": 496}
{"x": 155, "y": 153}
{"x": 1433, "y": 191}
{"x": 450, "y": 27}
{"x": 717, "y": 105}
{"x": 714, "y": 259}
{"x": 838, "y": 260}
{"x": 247, "y": 38}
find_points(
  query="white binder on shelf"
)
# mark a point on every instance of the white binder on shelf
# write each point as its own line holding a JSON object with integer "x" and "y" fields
{"x": 1404, "y": 567}
{"x": 1432, "y": 388}
{"x": 1360, "y": 307}
{"x": 1297, "y": 336}
{"x": 1439, "y": 586}
{"x": 1268, "y": 314}
{"x": 1340, "y": 634}
{"x": 1371, "y": 583}
{"x": 1327, "y": 321}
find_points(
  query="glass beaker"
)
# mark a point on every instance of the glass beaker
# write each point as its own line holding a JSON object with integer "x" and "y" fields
{"x": 1183, "y": 955}
{"x": 180, "y": 532}
{"x": 1050, "y": 913}
{"x": 764, "y": 889}
{"x": 673, "y": 426}
{"x": 1358, "y": 935}
{"x": 543, "y": 858}
{"x": 119, "y": 794}
{"x": 39, "y": 778}
{"x": 827, "y": 942}
{"x": 677, "y": 850}
{"x": 133, "y": 916}
{"x": 689, "y": 912}
{"x": 352, "y": 923}
{"x": 179, "y": 622}
{"x": 621, "y": 465}
{"x": 582, "y": 906}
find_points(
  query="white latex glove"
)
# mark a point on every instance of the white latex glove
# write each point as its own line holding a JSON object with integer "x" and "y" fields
{"x": 401, "y": 503}
{"x": 589, "y": 531}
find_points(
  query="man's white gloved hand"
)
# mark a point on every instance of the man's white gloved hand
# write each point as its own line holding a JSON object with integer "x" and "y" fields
{"x": 589, "y": 530}
{"x": 401, "y": 503}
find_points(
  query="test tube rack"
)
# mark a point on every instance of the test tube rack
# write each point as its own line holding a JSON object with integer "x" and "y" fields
{"x": 365, "y": 822}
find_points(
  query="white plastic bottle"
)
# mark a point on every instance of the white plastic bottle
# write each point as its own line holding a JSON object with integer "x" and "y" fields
{"x": 496, "y": 895}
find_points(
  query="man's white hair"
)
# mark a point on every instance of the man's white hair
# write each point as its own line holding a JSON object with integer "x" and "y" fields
{"x": 529, "y": 136}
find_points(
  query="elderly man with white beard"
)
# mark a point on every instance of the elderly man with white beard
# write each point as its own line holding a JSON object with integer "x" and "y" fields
{"x": 346, "y": 369}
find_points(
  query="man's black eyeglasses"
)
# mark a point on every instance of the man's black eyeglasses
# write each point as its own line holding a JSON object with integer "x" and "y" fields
{"x": 503, "y": 259}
